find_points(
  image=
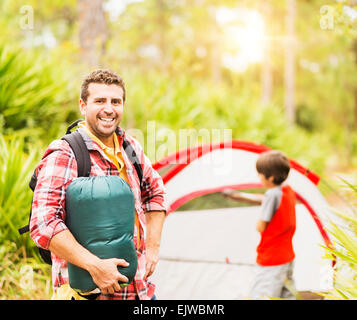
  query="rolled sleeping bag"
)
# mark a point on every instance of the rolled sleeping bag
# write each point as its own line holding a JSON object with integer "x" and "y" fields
{"x": 100, "y": 214}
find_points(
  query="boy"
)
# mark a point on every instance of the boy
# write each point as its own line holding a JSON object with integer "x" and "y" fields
{"x": 277, "y": 223}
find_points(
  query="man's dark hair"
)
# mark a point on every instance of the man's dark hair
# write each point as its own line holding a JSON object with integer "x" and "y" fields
{"x": 273, "y": 164}
{"x": 107, "y": 77}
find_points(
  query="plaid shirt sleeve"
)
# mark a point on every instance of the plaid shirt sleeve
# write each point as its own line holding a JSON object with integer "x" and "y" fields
{"x": 54, "y": 172}
{"x": 153, "y": 189}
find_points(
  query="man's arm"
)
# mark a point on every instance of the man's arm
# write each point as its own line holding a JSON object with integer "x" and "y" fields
{"x": 103, "y": 271}
{"x": 153, "y": 204}
{"x": 154, "y": 223}
{"x": 47, "y": 227}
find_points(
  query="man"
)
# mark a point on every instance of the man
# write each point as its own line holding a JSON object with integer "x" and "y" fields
{"x": 102, "y": 104}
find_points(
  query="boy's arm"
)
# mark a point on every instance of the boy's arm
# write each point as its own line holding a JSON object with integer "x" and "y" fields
{"x": 253, "y": 198}
{"x": 261, "y": 225}
{"x": 269, "y": 206}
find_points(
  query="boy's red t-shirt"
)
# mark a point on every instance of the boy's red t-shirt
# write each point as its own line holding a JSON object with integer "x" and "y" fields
{"x": 275, "y": 246}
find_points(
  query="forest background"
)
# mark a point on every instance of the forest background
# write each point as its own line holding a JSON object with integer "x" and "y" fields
{"x": 282, "y": 73}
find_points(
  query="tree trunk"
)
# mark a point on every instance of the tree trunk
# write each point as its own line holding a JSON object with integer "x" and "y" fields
{"x": 216, "y": 74}
{"x": 93, "y": 31}
{"x": 266, "y": 75}
{"x": 267, "y": 79}
{"x": 289, "y": 100}
{"x": 163, "y": 23}
{"x": 355, "y": 109}
{"x": 215, "y": 55}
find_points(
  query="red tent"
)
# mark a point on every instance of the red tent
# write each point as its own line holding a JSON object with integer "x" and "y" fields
{"x": 224, "y": 240}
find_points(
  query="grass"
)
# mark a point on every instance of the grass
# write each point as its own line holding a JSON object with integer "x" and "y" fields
{"x": 22, "y": 274}
{"x": 345, "y": 250}
{"x": 15, "y": 195}
{"x": 23, "y": 277}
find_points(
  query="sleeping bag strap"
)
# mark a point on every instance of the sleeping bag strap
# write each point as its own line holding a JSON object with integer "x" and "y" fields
{"x": 91, "y": 296}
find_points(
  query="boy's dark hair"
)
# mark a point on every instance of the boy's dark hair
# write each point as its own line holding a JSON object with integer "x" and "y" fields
{"x": 273, "y": 164}
{"x": 107, "y": 77}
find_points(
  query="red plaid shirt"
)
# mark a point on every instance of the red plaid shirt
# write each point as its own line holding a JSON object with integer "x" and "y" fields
{"x": 58, "y": 168}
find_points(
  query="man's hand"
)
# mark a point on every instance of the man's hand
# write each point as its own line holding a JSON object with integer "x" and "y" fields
{"x": 154, "y": 223}
{"x": 152, "y": 258}
{"x": 105, "y": 274}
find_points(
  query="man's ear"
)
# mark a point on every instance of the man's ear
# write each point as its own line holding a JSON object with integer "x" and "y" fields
{"x": 82, "y": 107}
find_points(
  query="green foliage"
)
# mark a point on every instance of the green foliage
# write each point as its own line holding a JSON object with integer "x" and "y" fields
{"x": 181, "y": 103}
{"x": 175, "y": 53}
{"x": 325, "y": 59}
{"x": 345, "y": 251}
{"x": 15, "y": 194}
{"x": 33, "y": 93}
{"x": 174, "y": 77}
{"x": 22, "y": 277}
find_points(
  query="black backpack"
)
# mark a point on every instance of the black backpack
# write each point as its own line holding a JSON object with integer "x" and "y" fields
{"x": 81, "y": 154}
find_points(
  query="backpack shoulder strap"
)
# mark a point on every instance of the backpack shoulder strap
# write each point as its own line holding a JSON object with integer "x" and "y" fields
{"x": 80, "y": 151}
{"x": 129, "y": 150}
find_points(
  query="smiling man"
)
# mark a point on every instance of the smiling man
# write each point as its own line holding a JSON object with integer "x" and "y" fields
{"x": 102, "y": 104}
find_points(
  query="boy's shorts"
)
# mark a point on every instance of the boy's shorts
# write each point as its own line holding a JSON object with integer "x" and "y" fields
{"x": 270, "y": 281}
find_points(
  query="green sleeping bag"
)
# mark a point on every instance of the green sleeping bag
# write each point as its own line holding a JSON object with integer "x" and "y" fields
{"x": 100, "y": 214}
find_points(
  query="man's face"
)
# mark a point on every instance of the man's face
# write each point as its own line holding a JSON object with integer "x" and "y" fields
{"x": 103, "y": 110}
